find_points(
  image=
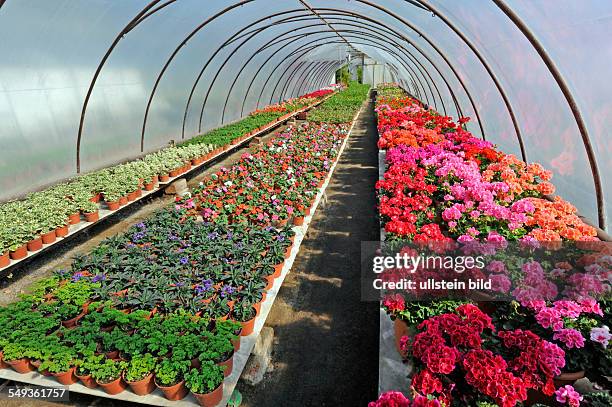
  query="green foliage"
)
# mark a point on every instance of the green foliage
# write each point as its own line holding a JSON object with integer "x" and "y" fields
{"x": 140, "y": 367}
{"x": 169, "y": 371}
{"x": 342, "y": 107}
{"x": 416, "y": 312}
{"x": 108, "y": 371}
{"x": 206, "y": 380}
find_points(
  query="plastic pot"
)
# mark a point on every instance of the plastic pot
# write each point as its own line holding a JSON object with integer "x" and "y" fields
{"x": 210, "y": 399}
{"x": 298, "y": 220}
{"x": 87, "y": 381}
{"x": 164, "y": 178}
{"x": 35, "y": 245}
{"x": 150, "y": 186}
{"x": 174, "y": 392}
{"x": 62, "y": 231}
{"x": 74, "y": 218}
{"x": 115, "y": 387}
{"x": 5, "y": 260}
{"x": 92, "y": 217}
{"x": 3, "y": 364}
{"x": 20, "y": 253}
{"x": 142, "y": 387}
{"x": 49, "y": 237}
{"x": 21, "y": 365}
{"x": 247, "y": 327}
{"x": 123, "y": 200}
{"x": 113, "y": 206}
{"x": 229, "y": 365}
{"x": 66, "y": 378}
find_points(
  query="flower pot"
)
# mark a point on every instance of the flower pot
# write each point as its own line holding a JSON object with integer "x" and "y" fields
{"x": 5, "y": 260}
{"x": 132, "y": 195}
{"x": 150, "y": 186}
{"x": 229, "y": 365}
{"x": 257, "y": 307}
{"x": 114, "y": 354}
{"x": 236, "y": 343}
{"x": 72, "y": 322}
{"x": 164, "y": 178}
{"x": 20, "y": 253}
{"x": 210, "y": 399}
{"x": 175, "y": 173}
{"x": 96, "y": 198}
{"x": 298, "y": 221}
{"x": 92, "y": 217}
{"x": 142, "y": 387}
{"x": 278, "y": 269}
{"x": 247, "y": 327}
{"x": 36, "y": 364}
{"x": 568, "y": 378}
{"x": 400, "y": 329}
{"x": 74, "y": 218}
{"x": 35, "y": 244}
{"x": 320, "y": 183}
{"x": 66, "y": 378}
{"x": 87, "y": 381}
{"x": 123, "y": 200}
{"x": 3, "y": 364}
{"x": 21, "y": 365}
{"x": 288, "y": 251}
{"x": 49, "y": 237}
{"x": 115, "y": 387}
{"x": 113, "y": 206}
{"x": 270, "y": 280}
{"x": 62, "y": 231}
{"x": 175, "y": 392}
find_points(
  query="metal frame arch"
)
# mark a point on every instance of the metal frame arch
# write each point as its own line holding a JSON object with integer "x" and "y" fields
{"x": 312, "y": 81}
{"x": 301, "y": 78}
{"x": 571, "y": 101}
{"x": 437, "y": 49}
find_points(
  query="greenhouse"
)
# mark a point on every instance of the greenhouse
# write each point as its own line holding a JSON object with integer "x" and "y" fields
{"x": 381, "y": 203}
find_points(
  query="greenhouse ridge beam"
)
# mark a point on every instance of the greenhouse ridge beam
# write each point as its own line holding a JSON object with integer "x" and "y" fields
{"x": 571, "y": 101}
{"x": 326, "y": 23}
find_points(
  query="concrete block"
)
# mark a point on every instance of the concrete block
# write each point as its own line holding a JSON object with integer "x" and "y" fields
{"x": 260, "y": 361}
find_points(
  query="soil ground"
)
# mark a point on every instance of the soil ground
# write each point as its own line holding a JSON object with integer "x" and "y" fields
{"x": 326, "y": 338}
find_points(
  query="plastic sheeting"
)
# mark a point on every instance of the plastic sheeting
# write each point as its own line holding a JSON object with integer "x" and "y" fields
{"x": 198, "y": 65}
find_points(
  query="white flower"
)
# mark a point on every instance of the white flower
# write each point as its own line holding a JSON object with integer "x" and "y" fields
{"x": 601, "y": 335}
{"x": 228, "y": 183}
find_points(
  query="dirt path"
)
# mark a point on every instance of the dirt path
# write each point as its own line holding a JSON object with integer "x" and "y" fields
{"x": 326, "y": 338}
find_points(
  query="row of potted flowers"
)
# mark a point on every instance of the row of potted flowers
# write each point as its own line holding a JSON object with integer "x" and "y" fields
{"x": 46, "y": 215}
{"x": 444, "y": 185}
{"x": 162, "y": 303}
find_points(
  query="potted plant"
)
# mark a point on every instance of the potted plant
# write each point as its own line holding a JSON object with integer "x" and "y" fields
{"x": 90, "y": 210}
{"x": 139, "y": 374}
{"x": 245, "y": 314}
{"x": 61, "y": 365}
{"x": 206, "y": 384}
{"x": 109, "y": 376}
{"x": 219, "y": 349}
{"x": 169, "y": 378}
{"x": 15, "y": 355}
{"x": 85, "y": 366}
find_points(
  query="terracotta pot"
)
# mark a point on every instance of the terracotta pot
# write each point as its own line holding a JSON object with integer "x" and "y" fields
{"x": 123, "y": 200}
{"x": 35, "y": 244}
{"x": 115, "y": 387}
{"x": 36, "y": 364}
{"x": 113, "y": 206}
{"x": 21, "y": 365}
{"x": 210, "y": 399}
{"x": 92, "y": 217}
{"x": 66, "y": 378}
{"x": 87, "y": 381}
{"x": 132, "y": 195}
{"x": 72, "y": 322}
{"x": 5, "y": 260}
{"x": 49, "y": 237}
{"x": 96, "y": 198}
{"x": 155, "y": 179}
{"x": 150, "y": 186}
{"x": 236, "y": 343}
{"x": 568, "y": 378}
{"x": 176, "y": 392}
{"x": 175, "y": 173}
{"x": 298, "y": 220}
{"x": 229, "y": 365}
{"x": 400, "y": 329}
{"x": 257, "y": 307}
{"x": 320, "y": 184}
{"x": 288, "y": 251}
{"x": 4, "y": 365}
{"x": 247, "y": 327}
{"x": 270, "y": 280}
{"x": 278, "y": 269}
{"x": 142, "y": 387}
{"x": 62, "y": 231}
{"x": 112, "y": 354}
{"x": 307, "y": 211}
{"x": 164, "y": 178}
{"x": 74, "y": 218}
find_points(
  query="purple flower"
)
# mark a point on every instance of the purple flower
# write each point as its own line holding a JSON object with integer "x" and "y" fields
{"x": 184, "y": 260}
{"x": 98, "y": 277}
{"x": 172, "y": 237}
{"x": 230, "y": 235}
{"x": 180, "y": 284}
{"x": 76, "y": 277}
{"x": 138, "y": 236}
{"x": 226, "y": 290}
{"x": 213, "y": 235}
{"x": 141, "y": 225}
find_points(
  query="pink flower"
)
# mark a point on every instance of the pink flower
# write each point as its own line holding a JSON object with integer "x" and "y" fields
{"x": 590, "y": 306}
{"x": 549, "y": 318}
{"x": 451, "y": 213}
{"x": 570, "y": 337}
{"x": 497, "y": 266}
{"x": 601, "y": 335}
{"x": 500, "y": 282}
{"x": 391, "y": 399}
{"x": 567, "y": 394}
{"x": 568, "y": 309}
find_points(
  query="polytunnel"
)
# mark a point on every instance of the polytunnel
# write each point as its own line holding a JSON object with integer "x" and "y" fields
{"x": 165, "y": 164}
